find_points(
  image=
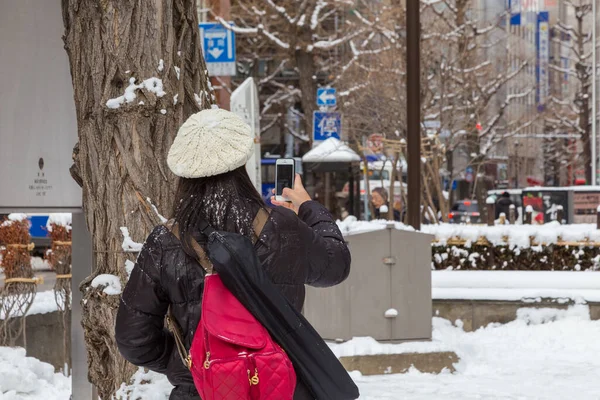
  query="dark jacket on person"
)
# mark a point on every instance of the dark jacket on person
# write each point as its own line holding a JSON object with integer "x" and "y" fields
{"x": 294, "y": 250}
{"x": 503, "y": 206}
{"x": 380, "y": 215}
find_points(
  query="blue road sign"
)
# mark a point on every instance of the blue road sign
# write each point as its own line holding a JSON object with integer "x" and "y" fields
{"x": 326, "y": 97}
{"x": 326, "y": 125}
{"x": 218, "y": 46}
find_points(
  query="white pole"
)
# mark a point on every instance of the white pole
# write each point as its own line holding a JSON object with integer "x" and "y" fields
{"x": 594, "y": 94}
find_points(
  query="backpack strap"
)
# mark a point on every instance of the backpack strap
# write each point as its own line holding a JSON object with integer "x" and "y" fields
{"x": 261, "y": 219}
{"x": 202, "y": 257}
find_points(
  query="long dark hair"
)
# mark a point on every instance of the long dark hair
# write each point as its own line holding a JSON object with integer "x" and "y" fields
{"x": 228, "y": 202}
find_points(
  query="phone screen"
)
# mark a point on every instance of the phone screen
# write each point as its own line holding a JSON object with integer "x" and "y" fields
{"x": 285, "y": 178}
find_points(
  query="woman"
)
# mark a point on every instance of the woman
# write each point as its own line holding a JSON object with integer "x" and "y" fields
{"x": 379, "y": 199}
{"x": 300, "y": 244}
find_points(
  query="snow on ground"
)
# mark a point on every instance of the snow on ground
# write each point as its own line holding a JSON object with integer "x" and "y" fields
{"x": 520, "y": 360}
{"x": 24, "y": 378}
{"x": 545, "y": 354}
{"x": 39, "y": 264}
{"x": 43, "y": 303}
{"x": 516, "y": 285}
{"x": 156, "y": 387}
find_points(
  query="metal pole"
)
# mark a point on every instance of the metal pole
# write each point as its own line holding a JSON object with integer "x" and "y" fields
{"x": 82, "y": 264}
{"x": 594, "y": 95}
{"x": 413, "y": 112}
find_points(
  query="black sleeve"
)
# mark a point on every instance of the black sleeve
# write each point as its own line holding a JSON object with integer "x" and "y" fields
{"x": 139, "y": 331}
{"x": 328, "y": 253}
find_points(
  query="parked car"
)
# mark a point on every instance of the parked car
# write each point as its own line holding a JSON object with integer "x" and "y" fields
{"x": 465, "y": 212}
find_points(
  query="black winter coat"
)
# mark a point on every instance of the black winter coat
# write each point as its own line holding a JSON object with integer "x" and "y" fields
{"x": 503, "y": 206}
{"x": 294, "y": 250}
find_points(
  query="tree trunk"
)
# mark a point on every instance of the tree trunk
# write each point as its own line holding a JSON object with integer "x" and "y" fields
{"x": 121, "y": 157}
{"x": 308, "y": 88}
{"x": 583, "y": 96}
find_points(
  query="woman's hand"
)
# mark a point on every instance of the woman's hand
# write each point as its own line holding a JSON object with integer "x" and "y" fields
{"x": 296, "y": 196}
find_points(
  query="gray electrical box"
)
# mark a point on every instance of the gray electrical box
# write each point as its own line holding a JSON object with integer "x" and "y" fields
{"x": 38, "y": 126}
{"x": 390, "y": 274}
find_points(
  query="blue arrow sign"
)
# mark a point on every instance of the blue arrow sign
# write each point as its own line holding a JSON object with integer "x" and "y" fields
{"x": 326, "y": 125}
{"x": 326, "y": 97}
{"x": 218, "y": 46}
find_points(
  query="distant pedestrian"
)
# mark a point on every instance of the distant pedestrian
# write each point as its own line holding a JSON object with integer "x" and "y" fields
{"x": 503, "y": 206}
{"x": 381, "y": 204}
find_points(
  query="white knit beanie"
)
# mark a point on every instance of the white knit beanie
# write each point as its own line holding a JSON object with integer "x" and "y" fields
{"x": 209, "y": 143}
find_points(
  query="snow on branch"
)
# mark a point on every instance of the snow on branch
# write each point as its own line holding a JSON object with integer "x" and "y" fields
{"x": 330, "y": 44}
{"x": 265, "y": 128}
{"x": 563, "y": 70}
{"x": 260, "y": 29}
{"x": 280, "y": 10}
{"x": 273, "y": 38}
{"x": 277, "y": 70}
{"x": 348, "y": 92}
{"x": 314, "y": 19}
{"x": 472, "y": 69}
{"x": 297, "y": 135}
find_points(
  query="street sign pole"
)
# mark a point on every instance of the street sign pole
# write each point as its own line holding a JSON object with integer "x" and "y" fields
{"x": 413, "y": 112}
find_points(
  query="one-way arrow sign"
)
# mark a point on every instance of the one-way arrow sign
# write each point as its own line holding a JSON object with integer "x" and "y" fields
{"x": 216, "y": 52}
{"x": 218, "y": 46}
{"x": 326, "y": 97}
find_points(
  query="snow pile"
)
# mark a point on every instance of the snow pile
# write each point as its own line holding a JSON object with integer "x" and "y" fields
{"x": 529, "y": 286}
{"x": 352, "y": 226}
{"x": 391, "y": 313}
{"x": 162, "y": 219}
{"x": 538, "y": 316}
{"x": 17, "y": 217}
{"x": 153, "y": 85}
{"x": 145, "y": 386}
{"x": 60, "y": 219}
{"x": 43, "y": 303}
{"x": 24, "y": 377}
{"x": 364, "y": 346}
{"x": 111, "y": 284}
{"x": 129, "y": 267}
{"x": 14, "y": 217}
{"x": 128, "y": 244}
{"x": 519, "y": 236}
{"x": 39, "y": 264}
{"x": 331, "y": 150}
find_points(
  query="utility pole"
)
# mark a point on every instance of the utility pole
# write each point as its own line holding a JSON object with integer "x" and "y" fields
{"x": 413, "y": 111}
{"x": 594, "y": 96}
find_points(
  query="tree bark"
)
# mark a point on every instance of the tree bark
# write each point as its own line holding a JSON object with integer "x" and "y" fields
{"x": 121, "y": 154}
{"x": 308, "y": 87}
{"x": 583, "y": 96}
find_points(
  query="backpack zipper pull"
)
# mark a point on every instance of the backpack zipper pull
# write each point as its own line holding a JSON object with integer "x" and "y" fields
{"x": 254, "y": 379}
{"x": 207, "y": 361}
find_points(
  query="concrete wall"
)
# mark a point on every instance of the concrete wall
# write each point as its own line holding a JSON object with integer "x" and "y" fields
{"x": 45, "y": 338}
{"x": 480, "y": 313}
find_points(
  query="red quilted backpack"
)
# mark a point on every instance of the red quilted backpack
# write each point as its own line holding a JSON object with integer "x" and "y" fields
{"x": 232, "y": 356}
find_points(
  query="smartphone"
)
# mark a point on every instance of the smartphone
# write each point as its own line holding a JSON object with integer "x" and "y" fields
{"x": 284, "y": 177}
